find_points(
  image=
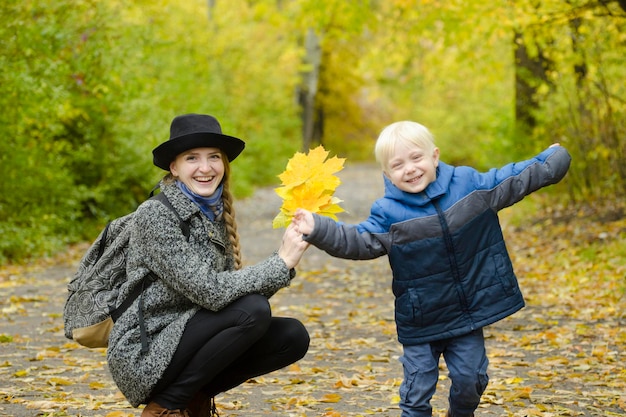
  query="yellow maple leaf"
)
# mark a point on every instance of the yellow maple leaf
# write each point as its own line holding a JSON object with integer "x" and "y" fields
{"x": 306, "y": 196}
{"x": 59, "y": 381}
{"x": 308, "y": 182}
{"x": 330, "y": 398}
{"x": 302, "y": 167}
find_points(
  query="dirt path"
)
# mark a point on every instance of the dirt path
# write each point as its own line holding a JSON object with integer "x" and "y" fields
{"x": 351, "y": 368}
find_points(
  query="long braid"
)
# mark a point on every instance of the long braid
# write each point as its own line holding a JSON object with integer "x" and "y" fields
{"x": 231, "y": 225}
{"x": 229, "y": 215}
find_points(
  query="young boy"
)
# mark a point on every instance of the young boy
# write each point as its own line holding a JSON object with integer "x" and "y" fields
{"x": 452, "y": 274}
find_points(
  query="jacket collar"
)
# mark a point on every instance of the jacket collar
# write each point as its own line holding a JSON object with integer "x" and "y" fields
{"x": 187, "y": 209}
{"x": 183, "y": 205}
{"x": 434, "y": 190}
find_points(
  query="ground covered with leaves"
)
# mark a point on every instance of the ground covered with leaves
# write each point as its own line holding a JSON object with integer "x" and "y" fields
{"x": 562, "y": 355}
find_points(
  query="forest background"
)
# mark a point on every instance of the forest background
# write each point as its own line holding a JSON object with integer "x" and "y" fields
{"x": 88, "y": 88}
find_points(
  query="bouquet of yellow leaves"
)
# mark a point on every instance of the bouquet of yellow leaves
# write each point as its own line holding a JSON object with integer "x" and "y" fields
{"x": 308, "y": 182}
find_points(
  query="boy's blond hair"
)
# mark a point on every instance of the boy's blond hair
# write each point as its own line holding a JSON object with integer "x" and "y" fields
{"x": 411, "y": 133}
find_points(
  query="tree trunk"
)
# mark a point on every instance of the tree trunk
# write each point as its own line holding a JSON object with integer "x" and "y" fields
{"x": 210, "y": 7}
{"x": 308, "y": 91}
{"x": 529, "y": 72}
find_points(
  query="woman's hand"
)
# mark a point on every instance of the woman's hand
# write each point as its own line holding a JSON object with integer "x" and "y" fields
{"x": 292, "y": 247}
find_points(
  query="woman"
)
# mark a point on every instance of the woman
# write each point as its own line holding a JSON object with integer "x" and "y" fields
{"x": 207, "y": 325}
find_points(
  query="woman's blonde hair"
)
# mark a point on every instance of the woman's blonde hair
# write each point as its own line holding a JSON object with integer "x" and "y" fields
{"x": 229, "y": 215}
{"x": 229, "y": 211}
{"x": 406, "y": 132}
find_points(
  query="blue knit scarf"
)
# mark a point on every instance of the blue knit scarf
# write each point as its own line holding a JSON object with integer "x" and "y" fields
{"x": 212, "y": 206}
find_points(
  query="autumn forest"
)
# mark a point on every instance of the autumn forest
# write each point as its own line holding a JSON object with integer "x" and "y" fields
{"x": 89, "y": 87}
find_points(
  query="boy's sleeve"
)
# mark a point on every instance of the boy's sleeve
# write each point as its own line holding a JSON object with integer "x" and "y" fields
{"x": 346, "y": 241}
{"x": 513, "y": 182}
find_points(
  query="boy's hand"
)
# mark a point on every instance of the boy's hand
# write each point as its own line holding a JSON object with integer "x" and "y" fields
{"x": 304, "y": 221}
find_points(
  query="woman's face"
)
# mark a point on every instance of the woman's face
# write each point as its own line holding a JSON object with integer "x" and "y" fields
{"x": 200, "y": 169}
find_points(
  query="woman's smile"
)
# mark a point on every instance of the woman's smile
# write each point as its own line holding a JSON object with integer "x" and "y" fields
{"x": 204, "y": 179}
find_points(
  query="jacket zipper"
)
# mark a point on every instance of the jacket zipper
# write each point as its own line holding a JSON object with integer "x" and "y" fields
{"x": 452, "y": 260}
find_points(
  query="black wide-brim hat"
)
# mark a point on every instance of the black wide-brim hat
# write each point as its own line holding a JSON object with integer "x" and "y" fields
{"x": 190, "y": 131}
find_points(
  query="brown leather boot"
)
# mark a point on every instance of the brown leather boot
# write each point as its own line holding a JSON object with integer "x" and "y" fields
{"x": 202, "y": 406}
{"x": 155, "y": 410}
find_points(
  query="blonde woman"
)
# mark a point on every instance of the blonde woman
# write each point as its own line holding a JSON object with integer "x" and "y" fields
{"x": 203, "y": 324}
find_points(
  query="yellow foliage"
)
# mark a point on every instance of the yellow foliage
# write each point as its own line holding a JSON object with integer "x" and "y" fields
{"x": 308, "y": 182}
{"x": 330, "y": 398}
{"x": 95, "y": 385}
{"x": 59, "y": 381}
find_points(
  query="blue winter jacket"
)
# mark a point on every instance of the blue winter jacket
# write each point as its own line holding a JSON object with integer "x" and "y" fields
{"x": 451, "y": 270}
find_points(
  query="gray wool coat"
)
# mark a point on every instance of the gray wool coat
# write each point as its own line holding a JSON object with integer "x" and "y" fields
{"x": 193, "y": 274}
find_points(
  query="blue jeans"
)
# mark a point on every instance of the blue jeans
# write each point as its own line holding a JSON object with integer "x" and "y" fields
{"x": 467, "y": 362}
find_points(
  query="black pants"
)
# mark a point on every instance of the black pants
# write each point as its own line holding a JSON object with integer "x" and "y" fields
{"x": 220, "y": 350}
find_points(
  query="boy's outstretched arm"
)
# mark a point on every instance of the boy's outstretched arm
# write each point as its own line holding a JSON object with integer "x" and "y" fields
{"x": 512, "y": 182}
{"x": 338, "y": 239}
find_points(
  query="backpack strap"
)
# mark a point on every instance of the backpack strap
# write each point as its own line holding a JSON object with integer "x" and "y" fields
{"x": 156, "y": 187}
{"x": 184, "y": 226}
{"x": 148, "y": 279}
{"x": 136, "y": 292}
{"x": 103, "y": 242}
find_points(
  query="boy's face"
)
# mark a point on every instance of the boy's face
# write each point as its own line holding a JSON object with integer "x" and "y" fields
{"x": 411, "y": 168}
